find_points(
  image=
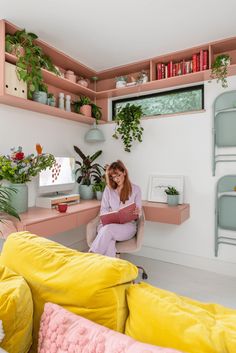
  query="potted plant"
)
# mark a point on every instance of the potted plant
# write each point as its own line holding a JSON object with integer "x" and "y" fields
{"x": 40, "y": 94}
{"x": 51, "y": 100}
{"x": 219, "y": 69}
{"x": 88, "y": 172}
{"x": 30, "y": 59}
{"x": 98, "y": 188}
{"x": 121, "y": 81}
{"x": 172, "y": 196}
{"x": 128, "y": 127}
{"x": 6, "y": 208}
{"x": 18, "y": 169}
{"x": 86, "y": 107}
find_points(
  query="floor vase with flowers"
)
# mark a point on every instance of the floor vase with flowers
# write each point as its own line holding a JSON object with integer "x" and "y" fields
{"x": 19, "y": 197}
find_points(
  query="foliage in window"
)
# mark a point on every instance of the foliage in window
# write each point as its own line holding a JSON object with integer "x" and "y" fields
{"x": 167, "y": 103}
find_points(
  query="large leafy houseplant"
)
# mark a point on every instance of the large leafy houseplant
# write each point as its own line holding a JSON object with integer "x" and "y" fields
{"x": 88, "y": 171}
{"x": 128, "y": 128}
{"x": 6, "y": 208}
{"x": 219, "y": 69}
{"x": 30, "y": 60}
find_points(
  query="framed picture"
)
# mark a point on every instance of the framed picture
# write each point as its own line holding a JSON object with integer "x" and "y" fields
{"x": 158, "y": 184}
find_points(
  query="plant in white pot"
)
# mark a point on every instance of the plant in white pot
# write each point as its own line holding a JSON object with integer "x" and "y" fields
{"x": 99, "y": 187}
{"x": 172, "y": 196}
{"x": 88, "y": 172}
{"x": 121, "y": 81}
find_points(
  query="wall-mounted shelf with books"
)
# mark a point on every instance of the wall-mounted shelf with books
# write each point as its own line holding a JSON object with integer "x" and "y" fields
{"x": 184, "y": 67}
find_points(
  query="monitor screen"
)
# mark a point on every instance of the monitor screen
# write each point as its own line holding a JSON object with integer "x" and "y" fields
{"x": 61, "y": 177}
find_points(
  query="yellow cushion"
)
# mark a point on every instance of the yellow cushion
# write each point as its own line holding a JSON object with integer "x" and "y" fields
{"x": 87, "y": 284}
{"x": 16, "y": 312}
{"x": 163, "y": 318}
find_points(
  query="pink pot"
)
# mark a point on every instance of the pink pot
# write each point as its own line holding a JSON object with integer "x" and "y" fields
{"x": 86, "y": 110}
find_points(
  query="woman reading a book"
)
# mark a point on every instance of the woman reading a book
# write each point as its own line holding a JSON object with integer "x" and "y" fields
{"x": 118, "y": 194}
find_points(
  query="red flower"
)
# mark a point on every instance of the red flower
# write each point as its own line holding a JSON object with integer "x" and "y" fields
{"x": 19, "y": 156}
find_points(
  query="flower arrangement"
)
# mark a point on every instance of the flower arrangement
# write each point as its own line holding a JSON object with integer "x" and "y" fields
{"x": 19, "y": 168}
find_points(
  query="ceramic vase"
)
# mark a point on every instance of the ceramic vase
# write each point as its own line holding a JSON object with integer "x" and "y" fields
{"x": 19, "y": 199}
{"x": 40, "y": 97}
{"x": 86, "y": 192}
{"x": 99, "y": 195}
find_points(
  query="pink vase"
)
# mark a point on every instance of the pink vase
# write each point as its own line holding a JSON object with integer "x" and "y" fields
{"x": 86, "y": 110}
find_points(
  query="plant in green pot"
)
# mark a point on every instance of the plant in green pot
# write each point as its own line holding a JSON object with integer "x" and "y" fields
{"x": 219, "y": 69}
{"x": 172, "y": 196}
{"x": 18, "y": 169}
{"x": 128, "y": 125}
{"x": 30, "y": 59}
{"x": 88, "y": 173}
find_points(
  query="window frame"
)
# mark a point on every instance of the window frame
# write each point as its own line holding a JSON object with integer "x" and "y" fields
{"x": 164, "y": 93}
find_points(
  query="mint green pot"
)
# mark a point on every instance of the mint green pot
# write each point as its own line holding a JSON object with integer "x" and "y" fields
{"x": 19, "y": 199}
{"x": 172, "y": 200}
{"x": 86, "y": 192}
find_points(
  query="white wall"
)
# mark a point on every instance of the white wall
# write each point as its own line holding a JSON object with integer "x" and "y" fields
{"x": 180, "y": 145}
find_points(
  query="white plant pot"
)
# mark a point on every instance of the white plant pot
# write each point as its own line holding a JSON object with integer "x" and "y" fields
{"x": 120, "y": 84}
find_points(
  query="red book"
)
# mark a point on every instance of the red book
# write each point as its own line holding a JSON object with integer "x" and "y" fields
{"x": 198, "y": 62}
{"x": 159, "y": 71}
{"x": 205, "y": 60}
{"x": 194, "y": 62}
{"x": 123, "y": 215}
{"x": 201, "y": 60}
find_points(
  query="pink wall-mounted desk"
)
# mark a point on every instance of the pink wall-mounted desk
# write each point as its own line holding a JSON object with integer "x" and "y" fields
{"x": 47, "y": 222}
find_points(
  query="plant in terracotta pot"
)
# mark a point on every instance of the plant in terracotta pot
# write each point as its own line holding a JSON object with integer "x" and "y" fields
{"x": 219, "y": 69}
{"x": 172, "y": 196}
{"x": 86, "y": 107}
{"x": 30, "y": 60}
{"x": 128, "y": 128}
{"x": 88, "y": 173}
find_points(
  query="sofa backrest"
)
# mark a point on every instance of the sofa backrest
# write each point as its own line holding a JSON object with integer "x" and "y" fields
{"x": 89, "y": 285}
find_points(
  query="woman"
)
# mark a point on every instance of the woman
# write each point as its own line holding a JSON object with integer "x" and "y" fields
{"x": 118, "y": 192}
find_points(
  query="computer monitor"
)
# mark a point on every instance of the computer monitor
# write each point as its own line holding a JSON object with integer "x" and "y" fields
{"x": 60, "y": 178}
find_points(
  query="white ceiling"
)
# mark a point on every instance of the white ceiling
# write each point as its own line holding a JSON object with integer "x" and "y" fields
{"x": 107, "y": 33}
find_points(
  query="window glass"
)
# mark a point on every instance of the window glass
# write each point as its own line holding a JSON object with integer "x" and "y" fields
{"x": 169, "y": 102}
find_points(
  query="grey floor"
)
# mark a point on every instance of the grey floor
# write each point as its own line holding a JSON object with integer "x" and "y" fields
{"x": 196, "y": 284}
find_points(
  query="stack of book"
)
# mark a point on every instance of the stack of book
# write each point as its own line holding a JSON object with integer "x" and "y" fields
{"x": 198, "y": 62}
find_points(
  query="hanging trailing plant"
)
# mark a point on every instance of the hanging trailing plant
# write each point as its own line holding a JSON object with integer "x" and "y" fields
{"x": 220, "y": 69}
{"x": 128, "y": 127}
{"x": 30, "y": 60}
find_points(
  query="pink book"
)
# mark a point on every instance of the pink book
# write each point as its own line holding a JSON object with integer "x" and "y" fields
{"x": 123, "y": 215}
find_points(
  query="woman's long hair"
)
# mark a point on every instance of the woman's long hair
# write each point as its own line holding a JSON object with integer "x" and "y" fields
{"x": 113, "y": 168}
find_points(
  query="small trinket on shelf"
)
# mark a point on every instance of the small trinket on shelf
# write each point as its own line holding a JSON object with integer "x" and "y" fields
{"x": 68, "y": 103}
{"x": 82, "y": 82}
{"x": 61, "y": 101}
{"x": 69, "y": 75}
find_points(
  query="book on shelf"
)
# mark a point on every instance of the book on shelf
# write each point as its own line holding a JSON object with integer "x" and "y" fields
{"x": 123, "y": 215}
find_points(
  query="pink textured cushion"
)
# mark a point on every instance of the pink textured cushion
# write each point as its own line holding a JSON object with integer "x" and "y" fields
{"x": 62, "y": 331}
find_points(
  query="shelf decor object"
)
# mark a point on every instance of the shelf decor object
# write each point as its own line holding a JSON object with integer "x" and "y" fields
{"x": 180, "y": 68}
{"x": 225, "y": 206}
{"x": 224, "y": 128}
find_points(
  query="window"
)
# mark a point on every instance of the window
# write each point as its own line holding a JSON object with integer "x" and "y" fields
{"x": 176, "y": 101}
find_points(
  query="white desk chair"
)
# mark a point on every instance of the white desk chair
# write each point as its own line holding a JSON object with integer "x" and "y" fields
{"x": 126, "y": 246}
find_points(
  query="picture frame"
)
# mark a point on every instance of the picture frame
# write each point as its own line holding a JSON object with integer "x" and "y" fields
{"x": 158, "y": 184}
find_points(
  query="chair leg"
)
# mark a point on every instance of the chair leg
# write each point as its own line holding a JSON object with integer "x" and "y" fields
{"x": 144, "y": 273}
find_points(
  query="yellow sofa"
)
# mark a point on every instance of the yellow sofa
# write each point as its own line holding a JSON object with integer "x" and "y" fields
{"x": 101, "y": 289}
